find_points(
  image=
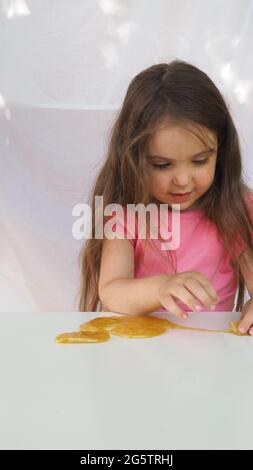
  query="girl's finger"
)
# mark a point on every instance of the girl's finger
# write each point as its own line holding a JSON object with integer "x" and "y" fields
{"x": 173, "y": 308}
{"x": 246, "y": 323}
{"x": 184, "y": 295}
{"x": 199, "y": 292}
{"x": 207, "y": 285}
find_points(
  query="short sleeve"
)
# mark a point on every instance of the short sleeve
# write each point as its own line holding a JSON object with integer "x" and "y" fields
{"x": 125, "y": 225}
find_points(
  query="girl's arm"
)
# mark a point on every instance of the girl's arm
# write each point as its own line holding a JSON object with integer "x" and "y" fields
{"x": 246, "y": 266}
{"x": 118, "y": 290}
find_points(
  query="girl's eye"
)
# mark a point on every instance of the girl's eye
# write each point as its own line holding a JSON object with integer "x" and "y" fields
{"x": 156, "y": 165}
{"x": 200, "y": 162}
{"x": 165, "y": 165}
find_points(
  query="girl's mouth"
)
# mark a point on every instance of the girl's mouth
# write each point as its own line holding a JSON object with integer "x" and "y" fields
{"x": 181, "y": 197}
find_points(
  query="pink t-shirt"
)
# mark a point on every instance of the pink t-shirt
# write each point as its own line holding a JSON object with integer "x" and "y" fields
{"x": 200, "y": 249}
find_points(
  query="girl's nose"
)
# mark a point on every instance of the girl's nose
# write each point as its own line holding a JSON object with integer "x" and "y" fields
{"x": 182, "y": 180}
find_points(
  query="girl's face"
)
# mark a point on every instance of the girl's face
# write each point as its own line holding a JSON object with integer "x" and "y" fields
{"x": 180, "y": 163}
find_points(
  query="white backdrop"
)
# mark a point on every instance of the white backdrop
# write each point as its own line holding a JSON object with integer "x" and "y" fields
{"x": 64, "y": 69}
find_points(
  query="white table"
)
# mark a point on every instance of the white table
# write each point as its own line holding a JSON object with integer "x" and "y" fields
{"x": 180, "y": 390}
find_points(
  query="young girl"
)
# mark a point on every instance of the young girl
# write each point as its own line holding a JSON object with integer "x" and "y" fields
{"x": 173, "y": 142}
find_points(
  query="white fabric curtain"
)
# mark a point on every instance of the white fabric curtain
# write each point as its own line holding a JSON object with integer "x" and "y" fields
{"x": 64, "y": 69}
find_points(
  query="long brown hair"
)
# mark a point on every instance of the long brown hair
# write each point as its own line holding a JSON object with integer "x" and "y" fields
{"x": 182, "y": 93}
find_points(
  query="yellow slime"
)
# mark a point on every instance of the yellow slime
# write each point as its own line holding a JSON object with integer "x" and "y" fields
{"x": 96, "y": 336}
{"x": 141, "y": 326}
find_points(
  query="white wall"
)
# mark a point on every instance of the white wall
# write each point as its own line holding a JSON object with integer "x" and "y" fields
{"x": 64, "y": 69}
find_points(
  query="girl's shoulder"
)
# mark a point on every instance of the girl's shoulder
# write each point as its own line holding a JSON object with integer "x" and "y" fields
{"x": 124, "y": 223}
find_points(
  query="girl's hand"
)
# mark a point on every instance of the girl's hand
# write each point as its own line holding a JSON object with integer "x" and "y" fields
{"x": 246, "y": 323}
{"x": 189, "y": 287}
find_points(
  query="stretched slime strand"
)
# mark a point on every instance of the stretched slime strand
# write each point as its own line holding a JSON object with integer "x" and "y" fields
{"x": 142, "y": 326}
